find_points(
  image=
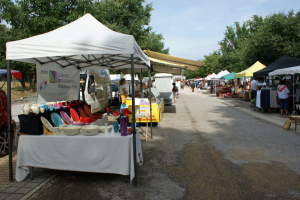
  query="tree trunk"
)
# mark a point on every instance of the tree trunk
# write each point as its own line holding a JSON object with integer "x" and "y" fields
{"x": 22, "y": 81}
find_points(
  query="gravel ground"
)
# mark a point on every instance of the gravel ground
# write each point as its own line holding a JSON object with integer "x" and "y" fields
{"x": 202, "y": 149}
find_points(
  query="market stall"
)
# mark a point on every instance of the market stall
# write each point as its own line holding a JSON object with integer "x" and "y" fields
{"x": 296, "y": 86}
{"x": 209, "y": 81}
{"x": 217, "y": 85}
{"x": 228, "y": 89}
{"x": 244, "y": 93}
{"x": 268, "y": 95}
{"x": 91, "y": 46}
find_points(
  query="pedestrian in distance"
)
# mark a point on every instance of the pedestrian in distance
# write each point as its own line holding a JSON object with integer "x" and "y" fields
{"x": 193, "y": 86}
{"x": 174, "y": 90}
{"x": 199, "y": 87}
{"x": 283, "y": 95}
{"x": 253, "y": 89}
{"x": 123, "y": 91}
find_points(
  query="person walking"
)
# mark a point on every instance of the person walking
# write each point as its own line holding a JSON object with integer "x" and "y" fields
{"x": 199, "y": 87}
{"x": 193, "y": 86}
{"x": 283, "y": 95}
{"x": 174, "y": 90}
{"x": 253, "y": 89}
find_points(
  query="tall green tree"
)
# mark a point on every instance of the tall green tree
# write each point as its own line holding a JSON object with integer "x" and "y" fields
{"x": 33, "y": 17}
{"x": 278, "y": 34}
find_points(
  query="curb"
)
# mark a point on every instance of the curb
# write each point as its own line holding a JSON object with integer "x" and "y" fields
{"x": 273, "y": 121}
{"x": 39, "y": 187}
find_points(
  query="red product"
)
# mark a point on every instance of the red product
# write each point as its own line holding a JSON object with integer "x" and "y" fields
{"x": 82, "y": 112}
{"x": 116, "y": 113}
{"x": 74, "y": 115}
{"x": 129, "y": 131}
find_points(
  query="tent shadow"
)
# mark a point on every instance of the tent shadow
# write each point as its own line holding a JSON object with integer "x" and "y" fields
{"x": 170, "y": 109}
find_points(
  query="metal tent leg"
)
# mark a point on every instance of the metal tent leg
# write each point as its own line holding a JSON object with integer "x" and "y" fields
{"x": 294, "y": 112}
{"x": 9, "y": 121}
{"x": 150, "y": 82}
{"x": 133, "y": 122}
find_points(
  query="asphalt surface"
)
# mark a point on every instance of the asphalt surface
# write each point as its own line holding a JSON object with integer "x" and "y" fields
{"x": 202, "y": 149}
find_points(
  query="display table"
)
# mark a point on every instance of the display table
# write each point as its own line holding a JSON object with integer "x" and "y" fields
{"x": 100, "y": 153}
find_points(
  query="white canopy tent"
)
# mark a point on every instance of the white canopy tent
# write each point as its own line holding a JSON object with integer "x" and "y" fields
{"x": 211, "y": 77}
{"x": 84, "y": 44}
{"x": 289, "y": 70}
{"x": 220, "y": 74}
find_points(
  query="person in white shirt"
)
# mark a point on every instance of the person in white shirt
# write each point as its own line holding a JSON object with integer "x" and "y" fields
{"x": 253, "y": 88}
{"x": 283, "y": 95}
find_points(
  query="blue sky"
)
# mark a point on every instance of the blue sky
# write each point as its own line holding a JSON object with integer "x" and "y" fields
{"x": 192, "y": 28}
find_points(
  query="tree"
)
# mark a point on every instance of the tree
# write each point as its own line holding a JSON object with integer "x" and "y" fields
{"x": 154, "y": 42}
{"x": 279, "y": 34}
{"x": 33, "y": 17}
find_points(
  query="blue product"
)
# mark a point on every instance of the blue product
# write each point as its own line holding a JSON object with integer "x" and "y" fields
{"x": 116, "y": 127}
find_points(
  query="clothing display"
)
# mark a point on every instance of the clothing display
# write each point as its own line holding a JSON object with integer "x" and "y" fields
{"x": 297, "y": 95}
{"x": 265, "y": 98}
{"x": 258, "y": 104}
{"x": 273, "y": 99}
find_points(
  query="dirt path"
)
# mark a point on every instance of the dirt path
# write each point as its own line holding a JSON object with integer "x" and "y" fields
{"x": 202, "y": 149}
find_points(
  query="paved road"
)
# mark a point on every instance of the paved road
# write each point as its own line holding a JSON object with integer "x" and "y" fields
{"x": 202, "y": 149}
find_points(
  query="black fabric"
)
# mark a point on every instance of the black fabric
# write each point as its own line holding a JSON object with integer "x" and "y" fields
{"x": 265, "y": 98}
{"x": 193, "y": 85}
{"x": 31, "y": 124}
{"x": 283, "y": 62}
{"x": 253, "y": 94}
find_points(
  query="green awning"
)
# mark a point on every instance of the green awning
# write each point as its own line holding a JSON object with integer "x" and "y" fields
{"x": 228, "y": 76}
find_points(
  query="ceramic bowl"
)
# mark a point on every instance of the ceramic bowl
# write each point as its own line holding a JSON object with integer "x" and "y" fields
{"x": 90, "y": 129}
{"x": 72, "y": 130}
{"x": 102, "y": 128}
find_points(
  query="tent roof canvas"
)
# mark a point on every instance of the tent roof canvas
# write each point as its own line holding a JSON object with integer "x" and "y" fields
{"x": 210, "y": 77}
{"x": 220, "y": 74}
{"x": 84, "y": 44}
{"x": 249, "y": 72}
{"x": 284, "y": 61}
{"x": 191, "y": 65}
{"x": 228, "y": 76}
{"x": 289, "y": 70}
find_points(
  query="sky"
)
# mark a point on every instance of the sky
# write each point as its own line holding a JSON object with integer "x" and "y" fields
{"x": 192, "y": 28}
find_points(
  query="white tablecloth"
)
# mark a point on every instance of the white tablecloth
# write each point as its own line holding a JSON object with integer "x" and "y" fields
{"x": 100, "y": 153}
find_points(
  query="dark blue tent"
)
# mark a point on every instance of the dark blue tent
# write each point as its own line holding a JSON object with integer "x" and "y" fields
{"x": 283, "y": 62}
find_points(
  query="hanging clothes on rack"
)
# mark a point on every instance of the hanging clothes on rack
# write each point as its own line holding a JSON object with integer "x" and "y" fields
{"x": 274, "y": 99}
{"x": 258, "y": 104}
{"x": 297, "y": 95}
{"x": 265, "y": 98}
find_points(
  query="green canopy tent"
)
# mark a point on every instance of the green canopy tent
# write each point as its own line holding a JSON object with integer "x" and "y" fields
{"x": 228, "y": 76}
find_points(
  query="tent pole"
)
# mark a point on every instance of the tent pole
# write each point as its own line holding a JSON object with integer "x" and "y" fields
{"x": 245, "y": 86}
{"x": 294, "y": 112}
{"x": 141, "y": 83}
{"x": 149, "y": 75}
{"x": 9, "y": 132}
{"x": 133, "y": 121}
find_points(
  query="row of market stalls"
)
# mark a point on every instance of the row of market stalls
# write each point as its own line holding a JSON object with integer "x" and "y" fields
{"x": 238, "y": 84}
{"x": 61, "y": 56}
